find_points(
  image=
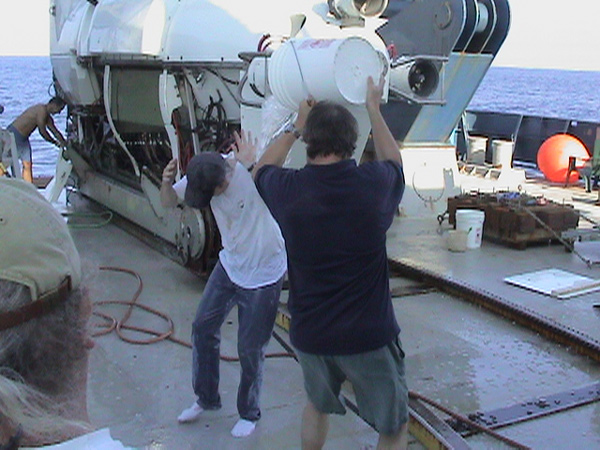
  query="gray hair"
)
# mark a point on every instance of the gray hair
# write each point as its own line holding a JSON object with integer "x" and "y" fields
{"x": 36, "y": 362}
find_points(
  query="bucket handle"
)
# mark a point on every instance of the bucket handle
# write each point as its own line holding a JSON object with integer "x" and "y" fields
{"x": 304, "y": 85}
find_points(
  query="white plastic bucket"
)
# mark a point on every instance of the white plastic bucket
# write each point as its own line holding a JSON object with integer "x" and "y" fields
{"x": 326, "y": 69}
{"x": 457, "y": 240}
{"x": 502, "y": 153}
{"x": 476, "y": 146}
{"x": 471, "y": 221}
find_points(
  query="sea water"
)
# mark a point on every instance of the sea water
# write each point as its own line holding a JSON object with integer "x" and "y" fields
{"x": 564, "y": 94}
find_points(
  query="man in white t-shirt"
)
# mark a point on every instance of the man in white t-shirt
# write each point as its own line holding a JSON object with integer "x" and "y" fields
{"x": 249, "y": 274}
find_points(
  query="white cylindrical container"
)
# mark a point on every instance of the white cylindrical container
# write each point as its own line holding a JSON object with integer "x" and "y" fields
{"x": 471, "y": 221}
{"x": 476, "y": 146}
{"x": 502, "y": 153}
{"x": 326, "y": 69}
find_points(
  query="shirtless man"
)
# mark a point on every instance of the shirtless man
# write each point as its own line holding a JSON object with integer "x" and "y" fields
{"x": 40, "y": 117}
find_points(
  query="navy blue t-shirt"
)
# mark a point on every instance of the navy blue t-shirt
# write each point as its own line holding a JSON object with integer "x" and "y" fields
{"x": 334, "y": 220}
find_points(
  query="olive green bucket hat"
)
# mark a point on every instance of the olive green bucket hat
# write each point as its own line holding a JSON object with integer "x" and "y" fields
{"x": 36, "y": 250}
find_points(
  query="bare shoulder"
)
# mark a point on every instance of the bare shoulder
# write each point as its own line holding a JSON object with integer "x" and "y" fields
{"x": 34, "y": 113}
{"x": 29, "y": 119}
{"x": 40, "y": 110}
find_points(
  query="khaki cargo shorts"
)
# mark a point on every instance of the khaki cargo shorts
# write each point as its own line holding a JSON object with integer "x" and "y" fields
{"x": 376, "y": 376}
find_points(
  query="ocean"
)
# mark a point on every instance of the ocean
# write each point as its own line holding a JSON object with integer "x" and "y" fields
{"x": 562, "y": 94}
{"x": 540, "y": 92}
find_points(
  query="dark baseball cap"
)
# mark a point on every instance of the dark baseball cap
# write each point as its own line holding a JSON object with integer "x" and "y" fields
{"x": 204, "y": 173}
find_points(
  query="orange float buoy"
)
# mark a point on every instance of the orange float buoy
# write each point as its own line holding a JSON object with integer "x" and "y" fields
{"x": 553, "y": 157}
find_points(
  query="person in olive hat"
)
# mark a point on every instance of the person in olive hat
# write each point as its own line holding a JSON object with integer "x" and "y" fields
{"x": 44, "y": 345}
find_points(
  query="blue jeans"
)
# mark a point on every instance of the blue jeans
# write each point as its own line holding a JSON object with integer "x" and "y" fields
{"x": 257, "y": 309}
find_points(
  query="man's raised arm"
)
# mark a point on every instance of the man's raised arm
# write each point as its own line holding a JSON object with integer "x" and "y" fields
{"x": 386, "y": 147}
{"x": 277, "y": 152}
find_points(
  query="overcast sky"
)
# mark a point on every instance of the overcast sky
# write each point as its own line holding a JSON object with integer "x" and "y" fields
{"x": 544, "y": 33}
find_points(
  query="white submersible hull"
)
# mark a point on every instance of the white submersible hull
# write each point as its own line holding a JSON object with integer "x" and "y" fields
{"x": 149, "y": 80}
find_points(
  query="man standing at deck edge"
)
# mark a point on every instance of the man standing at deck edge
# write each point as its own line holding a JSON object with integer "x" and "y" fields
{"x": 40, "y": 117}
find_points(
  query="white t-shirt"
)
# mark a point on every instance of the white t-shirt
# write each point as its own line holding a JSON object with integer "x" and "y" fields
{"x": 97, "y": 440}
{"x": 253, "y": 253}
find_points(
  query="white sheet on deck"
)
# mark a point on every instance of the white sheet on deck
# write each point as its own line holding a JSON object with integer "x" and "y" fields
{"x": 555, "y": 282}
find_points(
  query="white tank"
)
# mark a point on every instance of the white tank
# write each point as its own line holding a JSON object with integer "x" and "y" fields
{"x": 68, "y": 42}
{"x": 155, "y": 32}
{"x": 149, "y": 80}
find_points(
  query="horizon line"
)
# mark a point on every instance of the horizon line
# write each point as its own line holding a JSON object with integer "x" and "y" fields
{"x": 499, "y": 66}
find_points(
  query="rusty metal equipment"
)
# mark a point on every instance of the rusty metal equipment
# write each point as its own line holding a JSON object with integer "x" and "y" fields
{"x": 517, "y": 220}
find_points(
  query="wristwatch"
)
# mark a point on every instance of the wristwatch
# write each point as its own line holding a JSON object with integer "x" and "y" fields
{"x": 291, "y": 128}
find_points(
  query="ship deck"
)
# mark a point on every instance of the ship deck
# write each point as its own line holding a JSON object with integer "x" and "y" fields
{"x": 457, "y": 353}
{"x": 502, "y": 346}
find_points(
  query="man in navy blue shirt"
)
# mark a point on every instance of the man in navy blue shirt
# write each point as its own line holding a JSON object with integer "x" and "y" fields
{"x": 334, "y": 215}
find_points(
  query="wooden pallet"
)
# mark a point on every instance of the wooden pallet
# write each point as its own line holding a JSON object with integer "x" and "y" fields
{"x": 521, "y": 241}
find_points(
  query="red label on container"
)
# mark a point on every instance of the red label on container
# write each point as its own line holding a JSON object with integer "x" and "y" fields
{"x": 316, "y": 43}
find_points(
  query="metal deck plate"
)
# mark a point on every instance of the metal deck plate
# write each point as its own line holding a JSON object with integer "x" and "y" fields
{"x": 532, "y": 409}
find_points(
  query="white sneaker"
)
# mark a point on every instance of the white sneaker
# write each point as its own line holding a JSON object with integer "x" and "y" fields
{"x": 243, "y": 428}
{"x": 190, "y": 414}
